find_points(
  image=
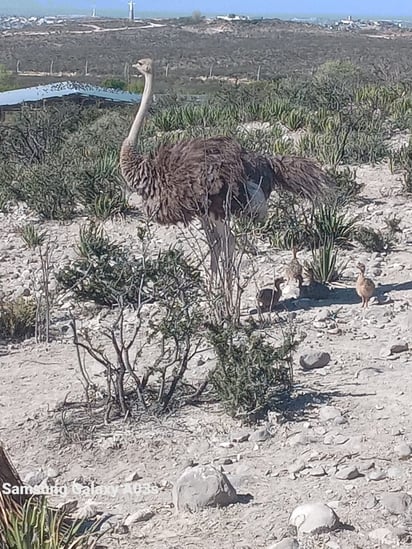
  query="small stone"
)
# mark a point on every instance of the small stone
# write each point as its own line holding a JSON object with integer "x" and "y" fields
{"x": 34, "y": 478}
{"x": 384, "y": 535}
{"x": 203, "y": 486}
{"x": 328, "y": 413}
{"x": 260, "y": 435}
{"x": 394, "y": 472}
{"x": 376, "y": 475}
{"x": 318, "y": 471}
{"x": 311, "y": 361}
{"x": 396, "y": 503}
{"x": 370, "y": 501}
{"x": 314, "y": 518}
{"x": 240, "y": 436}
{"x": 139, "y": 516}
{"x": 296, "y": 467}
{"x": 349, "y": 472}
{"x": 399, "y": 348}
{"x": 133, "y": 477}
{"x": 287, "y": 543}
{"x": 403, "y": 450}
{"x": 226, "y": 445}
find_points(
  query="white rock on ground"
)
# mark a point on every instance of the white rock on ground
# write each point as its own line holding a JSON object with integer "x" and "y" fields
{"x": 140, "y": 516}
{"x": 202, "y": 486}
{"x": 314, "y": 518}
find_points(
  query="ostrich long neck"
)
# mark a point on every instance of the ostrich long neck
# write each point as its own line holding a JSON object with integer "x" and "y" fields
{"x": 143, "y": 108}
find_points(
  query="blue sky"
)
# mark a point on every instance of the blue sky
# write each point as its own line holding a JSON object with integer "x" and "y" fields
{"x": 264, "y": 7}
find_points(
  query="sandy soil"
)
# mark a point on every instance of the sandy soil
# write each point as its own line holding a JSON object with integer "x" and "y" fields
{"x": 372, "y": 392}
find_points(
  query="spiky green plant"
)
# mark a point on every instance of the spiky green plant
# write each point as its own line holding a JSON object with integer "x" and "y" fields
{"x": 32, "y": 237}
{"x": 324, "y": 262}
{"x": 328, "y": 222}
{"x": 37, "y": 526}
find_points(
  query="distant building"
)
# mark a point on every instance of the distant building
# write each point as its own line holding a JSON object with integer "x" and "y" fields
{"x": 64, "y": 91}
{"x": 232, "y": 17}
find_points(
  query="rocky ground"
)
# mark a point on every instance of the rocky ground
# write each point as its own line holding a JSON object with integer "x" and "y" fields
{"x": 344, "y": 440}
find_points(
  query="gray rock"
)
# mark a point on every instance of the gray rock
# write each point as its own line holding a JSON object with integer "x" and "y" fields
{"x": 34, "y": 478}
{"x": 140, "y": 516}
{"x": 403, "y": 450}
{"x": 394, "y": 472}
{"x": 203, "y": 486}
{"x": 376, "y": 474}
{"x": 311, "y": 361}
{"x": 296, "y": 467}
{"x": 399, "y": 348}
{"x": 314, "y": 518}
{"x": 317, "y": 471}
{"x": 260, "y": 435}
{"x": 349, "y": 472}
{"x": 328, "y": 413}
{"x": 287, "y": 543}
{"x": 396, "y": 503}
{"x": 384, "y": 536}
{"x": 133, "y": 477}
{"x": 370, "y": 501}
{"x": 240, "y": 436}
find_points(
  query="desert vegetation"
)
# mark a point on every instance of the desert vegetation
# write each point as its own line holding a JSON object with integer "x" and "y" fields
{"x": 138, "y": 308}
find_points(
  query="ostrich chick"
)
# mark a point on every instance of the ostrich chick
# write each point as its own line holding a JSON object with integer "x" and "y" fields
{"x": 314, "y": 289}
{"x": 294, "y": 269}
{"x": 268, "y": 298}
{"x": 364, "y": 286}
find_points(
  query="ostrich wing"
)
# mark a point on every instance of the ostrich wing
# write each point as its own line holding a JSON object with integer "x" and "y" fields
{"x": 300, "y": 176}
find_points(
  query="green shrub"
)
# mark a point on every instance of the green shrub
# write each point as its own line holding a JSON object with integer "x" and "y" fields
{"x": 104, "y": 272}
{"x": 375, "y": 240}
{"x": 251, "y": 373}
{"x": 347, "y": 187}
{"x": 17, "y": 319}
{"x": 114, "y": 83}
{"x": 100, "y": 189}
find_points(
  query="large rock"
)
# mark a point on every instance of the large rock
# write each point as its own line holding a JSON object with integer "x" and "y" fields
{"x": 314, "y": 518}
{"x": 311, "y": 361}
{"x": 203, "y": 486}
{"x": 396, "y": 503}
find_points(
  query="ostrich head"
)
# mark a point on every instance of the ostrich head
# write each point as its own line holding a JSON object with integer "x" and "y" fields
{"x": 144, "y": 66}
{"x": 361, "y": 267}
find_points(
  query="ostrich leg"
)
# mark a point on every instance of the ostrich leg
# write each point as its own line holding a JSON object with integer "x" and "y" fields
{"x": 215, "y": 248}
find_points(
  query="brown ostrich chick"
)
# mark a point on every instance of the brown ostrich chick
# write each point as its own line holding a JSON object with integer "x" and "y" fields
{"x": 268, "y": 298}
{"x": 294, "y": 269}
{"x": 365, "y": 287}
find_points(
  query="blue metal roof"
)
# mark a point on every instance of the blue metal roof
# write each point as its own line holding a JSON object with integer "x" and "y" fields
{"x": 65, "y": 89}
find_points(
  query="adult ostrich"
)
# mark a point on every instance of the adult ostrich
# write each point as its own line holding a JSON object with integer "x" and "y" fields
{"x": 210, "y": 179}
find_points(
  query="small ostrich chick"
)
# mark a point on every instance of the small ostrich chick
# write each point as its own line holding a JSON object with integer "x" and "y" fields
{"x": 268, "y": 298}
{"x": 294, "y": 269}
{"x": 365, "y": 287}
